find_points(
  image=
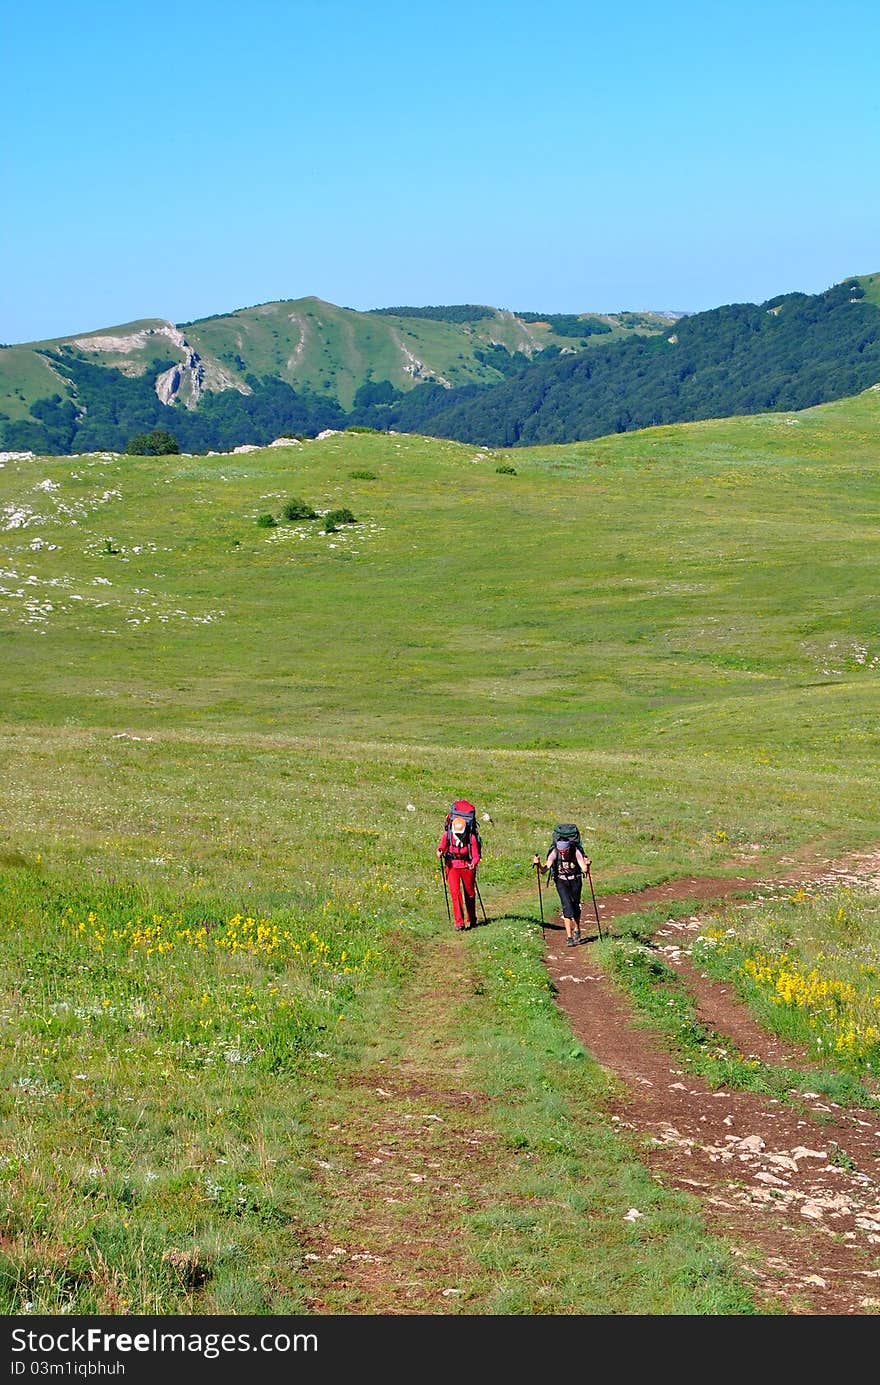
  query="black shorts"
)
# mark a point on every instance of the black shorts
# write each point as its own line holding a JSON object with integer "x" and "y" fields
{"x": 569, "y": 892}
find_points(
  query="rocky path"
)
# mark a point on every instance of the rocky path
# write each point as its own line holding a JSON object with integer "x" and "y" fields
{"x": 795, "y": 1191}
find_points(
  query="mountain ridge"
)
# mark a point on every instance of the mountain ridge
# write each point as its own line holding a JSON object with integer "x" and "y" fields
{"x": 319, "y": 346}
{"x": 788, "y": 353}
{"x": 468, "y": 371}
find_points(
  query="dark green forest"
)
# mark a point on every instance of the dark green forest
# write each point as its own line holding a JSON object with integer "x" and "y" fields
{"x": 788, "y": 353}
{"x": 455, "y": 312}
{"x": 113, "y": 407}
{"x": 569, "y": 324}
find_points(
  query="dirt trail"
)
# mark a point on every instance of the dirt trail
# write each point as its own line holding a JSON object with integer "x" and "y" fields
{"x": 795, "y": 1191}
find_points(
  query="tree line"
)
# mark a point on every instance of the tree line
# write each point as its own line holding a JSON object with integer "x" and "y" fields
{"x": 791, "y": 352}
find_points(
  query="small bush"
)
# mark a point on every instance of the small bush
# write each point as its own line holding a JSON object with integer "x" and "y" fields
{"x": 364, "y": 475}
{"x": 362, "y": 428}
{"x": 343, "y": 516}
{"x": 158, "y": 443}
{"x": 266, "y": 521}
{"x": 298, "y": 509}
{"x": 505, "y": 469}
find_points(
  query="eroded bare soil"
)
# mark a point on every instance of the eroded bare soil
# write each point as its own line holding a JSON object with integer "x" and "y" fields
{"x": 794, "y": 1191}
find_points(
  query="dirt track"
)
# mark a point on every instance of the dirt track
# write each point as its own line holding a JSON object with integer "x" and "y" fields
{"x": 795, "y": 1190}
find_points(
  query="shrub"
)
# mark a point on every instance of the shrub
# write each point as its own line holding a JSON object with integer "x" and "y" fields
{"x": 158, "y": 443}
{"x": 298, "y": 509}
{"x": 266, "y": 521}
{"x": 361, "y": 428}
{"x": 505, "y": 469}
{"x": 364, "y": 475}
{"x": 343, "y": 516}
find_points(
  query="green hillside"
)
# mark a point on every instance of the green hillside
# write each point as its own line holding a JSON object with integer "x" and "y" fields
{"x": 474, "y": 373}
{"x": 871, "y": 284}
{"x": 605, "y": 595}
{"x": 229, "y": 748}
{"x": 787, "y": 353}
{"x": 29, "y": 375}
{"x": 334, "y": 351}
{"x": 312, "y": 345}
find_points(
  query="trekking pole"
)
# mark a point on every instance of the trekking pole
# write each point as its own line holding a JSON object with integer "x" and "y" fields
{"x": 445, "y": 890}
{"x": 480, "y": 898}
{"x": 595, "y": 905}
{"x": 540, "y": 897}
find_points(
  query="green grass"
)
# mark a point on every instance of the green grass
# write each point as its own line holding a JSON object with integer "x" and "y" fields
{"x": 668, "y": 637}
{"x": 171, "y": 1113}
{"x": 25, "y": 377}
{"x": 808, "y": 962}
{"x": 871, "y": 284}
{"x": 664, "y": 1002}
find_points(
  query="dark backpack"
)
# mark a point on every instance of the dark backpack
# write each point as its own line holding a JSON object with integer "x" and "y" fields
{"x": 567, "y": 842}
{"x": 461, "y": 826}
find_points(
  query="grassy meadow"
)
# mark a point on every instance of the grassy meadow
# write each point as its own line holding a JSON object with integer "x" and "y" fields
{"x": 229, "y": 749}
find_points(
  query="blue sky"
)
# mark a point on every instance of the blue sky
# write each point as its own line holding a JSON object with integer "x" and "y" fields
{"x": 177, "y": 161}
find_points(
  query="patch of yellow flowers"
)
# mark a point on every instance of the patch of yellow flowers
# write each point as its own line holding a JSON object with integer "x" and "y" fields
{"x": 843, "y": 1013}
{"x": 244, "y": 935}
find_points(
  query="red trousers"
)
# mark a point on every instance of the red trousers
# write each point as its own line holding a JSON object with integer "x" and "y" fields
{"x": 462, "y": 882}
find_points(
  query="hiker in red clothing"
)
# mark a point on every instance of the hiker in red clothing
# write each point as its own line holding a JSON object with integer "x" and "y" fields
{"x": 460, "y": 849}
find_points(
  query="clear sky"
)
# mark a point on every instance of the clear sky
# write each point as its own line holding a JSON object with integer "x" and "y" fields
{"x": 174, "y": 161}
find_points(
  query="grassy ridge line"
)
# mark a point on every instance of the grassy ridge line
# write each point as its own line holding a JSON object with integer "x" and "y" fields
{"x": 307, "y": 342}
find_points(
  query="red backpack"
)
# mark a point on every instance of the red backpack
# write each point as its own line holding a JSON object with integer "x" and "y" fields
{"x": 461, "y": 826}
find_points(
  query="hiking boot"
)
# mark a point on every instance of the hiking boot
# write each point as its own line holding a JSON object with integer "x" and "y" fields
{"x": 572, "y": 941}
{"x": 577, "y": 937}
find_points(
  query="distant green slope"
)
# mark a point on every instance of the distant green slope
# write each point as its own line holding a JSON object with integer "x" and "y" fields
{"x": 306, "y": 343}
{"x": 25, "y": 377}
{"x": 871, "y": 284}
{"x": 480, "y": 374}
{"x": 787, "y": 353}
{"x": 334, "y": 351}
{"x": 28, "y": 375}
{"x": 682, "y": 583}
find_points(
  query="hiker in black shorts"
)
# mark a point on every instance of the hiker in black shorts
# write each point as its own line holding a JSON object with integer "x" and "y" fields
{"x": 568, "y": 865}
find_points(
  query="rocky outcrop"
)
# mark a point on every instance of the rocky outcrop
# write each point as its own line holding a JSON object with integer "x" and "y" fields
{"x": 123, "y": 345}
{"x": 416, "y": 369}
{"x": 167, "y": 384}
{"x": 183, "y": 382}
